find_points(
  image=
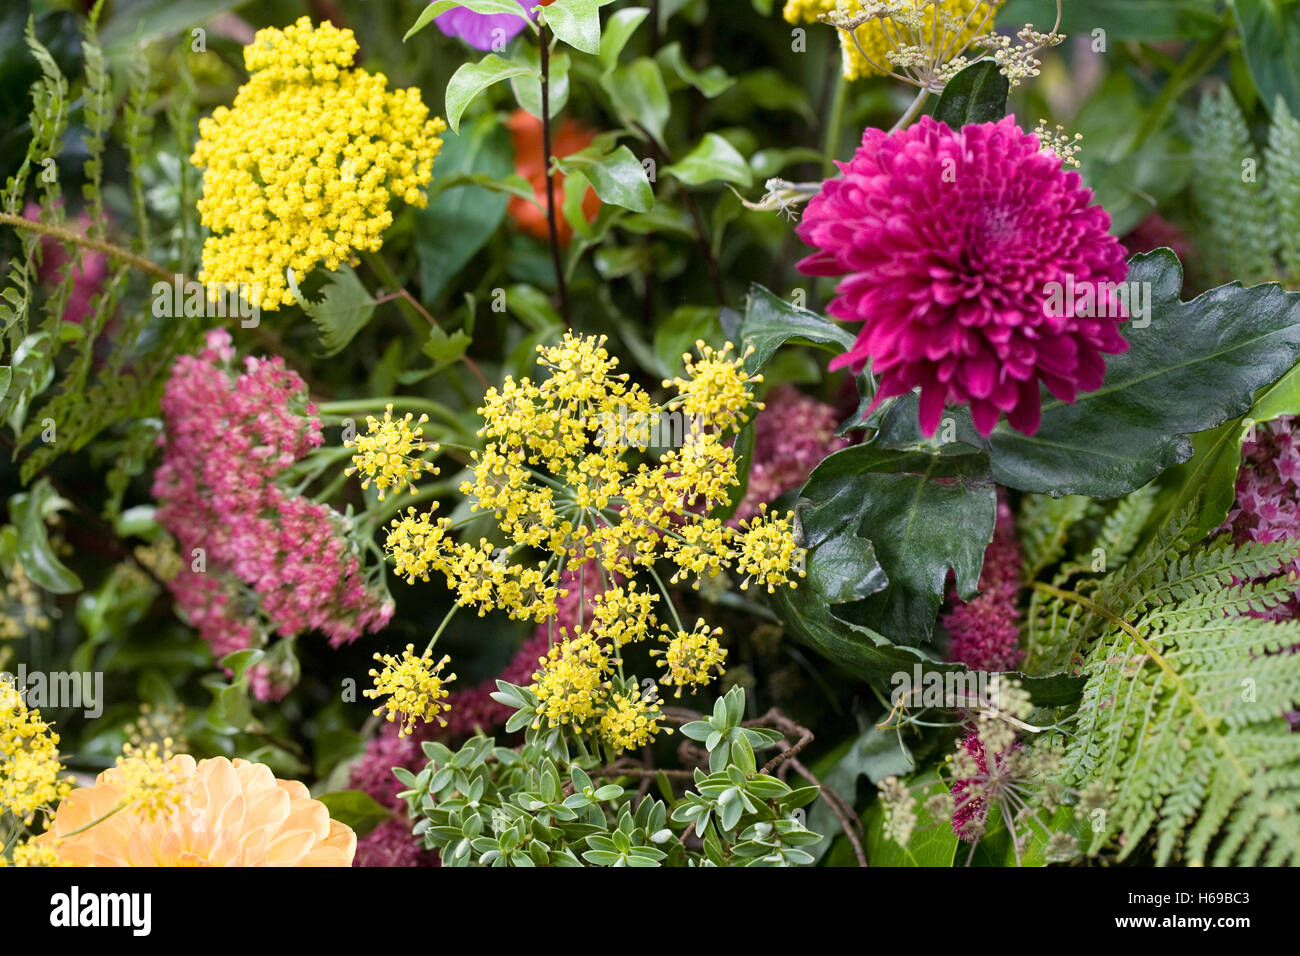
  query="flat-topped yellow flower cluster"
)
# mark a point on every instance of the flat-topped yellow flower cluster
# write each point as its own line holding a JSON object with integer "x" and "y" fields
{"x": 301, "y": 169}
{"x": 900, "y": 35}
{"x": 563, "y": 475}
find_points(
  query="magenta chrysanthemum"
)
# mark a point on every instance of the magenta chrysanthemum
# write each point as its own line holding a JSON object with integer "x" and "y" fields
{"x": 949, "y": 243}
{"x": 984, "y": 630}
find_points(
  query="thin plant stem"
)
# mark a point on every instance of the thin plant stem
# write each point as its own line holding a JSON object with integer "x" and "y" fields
{"x": 561, "y": 286}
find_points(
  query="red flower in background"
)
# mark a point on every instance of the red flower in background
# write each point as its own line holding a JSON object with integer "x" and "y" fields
{"x": 526, "y": 135}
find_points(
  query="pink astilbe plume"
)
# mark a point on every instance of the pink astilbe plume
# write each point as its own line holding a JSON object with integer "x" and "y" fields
{"x": 228, "y": 437}
{"x": 947, "y": 242}
{"x": 984, "y": 630}
{"x": 1267, "y": 507}
{"x": 791, "y": 437}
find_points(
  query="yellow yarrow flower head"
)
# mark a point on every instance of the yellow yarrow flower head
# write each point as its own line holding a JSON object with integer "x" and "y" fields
{"x": 30, "y": 766}
{"x": 573, "y": 680}
{"x": 767, "y": 554}
{"x": 630, "y": 721}
{"x": 415, "y": 688}
{"x": 691, "y": 656}
{"x": 388, "y": 453}
{"x": 301, "y": 169}
{"x": 912, "y": 39}
{"x": 149, "y": 785}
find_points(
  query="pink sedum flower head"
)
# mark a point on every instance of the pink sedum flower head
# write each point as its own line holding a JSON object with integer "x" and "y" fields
{"x": 948, "y": 242}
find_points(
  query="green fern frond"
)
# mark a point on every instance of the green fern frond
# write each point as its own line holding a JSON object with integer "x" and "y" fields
{"x": 1282, "y": 179}
{"x": 1237, "y": 218}
{"x": 1181, "y": 720}
{"x": 1043, "y": 527}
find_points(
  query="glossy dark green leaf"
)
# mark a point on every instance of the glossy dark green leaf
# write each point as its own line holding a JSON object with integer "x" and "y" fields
{"x": 712, "y": 160}
{"x": 639, "y": 95}
{"x": 458, "y": 222}
{"x": 1197, "y": 365}
{"x": 28, "y": 511}
{"x": 473, "y": 78}
{"x": 771, "y": 322}
{"x": 619, "y": 28}
{"x": 924, "y": 512}
{"x": 1270, "y": 42}
{"x": 618, "y": 177}
{"x": 576, "y": 22}
{"x": 978, "y": 94}
{"x": 1207, "y": 481}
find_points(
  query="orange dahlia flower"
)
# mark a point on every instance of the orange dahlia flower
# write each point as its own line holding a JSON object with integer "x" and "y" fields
{"x": 526, "y": 135}
{"x": 228, "y": 813}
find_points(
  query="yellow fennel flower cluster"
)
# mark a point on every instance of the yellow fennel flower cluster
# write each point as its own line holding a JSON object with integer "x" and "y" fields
{"x": 35, "y": 852}
{"x": 591, "y": 485}
{"x": 914, "y": 40}
{"x": 575, "y": 686}
{"x": 389, "y": 453}
{"x": 561, "y": 477}
{"x": 147, "y": 782}
{"x": 415, "y": 688}
{"x": 630, "y": 721}
{"x": 573, "y": 681}
{"x": 30, "y": 766}
{"x": 300, "y": 170}
{"x": 691, "y": 656}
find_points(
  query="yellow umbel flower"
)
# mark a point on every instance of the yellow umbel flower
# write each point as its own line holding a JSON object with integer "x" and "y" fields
{"x": 300, "y": 170}
{"x": 561, "y": 473}
{"x": 29, "y": 759}
{"x": 573, "y": 681}
{"x": 716, "y": 392}
{"x": 915, "y": 38}
{"x": 147, "y": 781}
{"x": 623, "y": 614}
{"x": 691, "y": 656}
{"x": 417, "y": 544}
{"x": 22, "y": 612}
{"x": 767, "y": 554}
{"x": 34, "y": 852}
{"x": 415, "y": 688}
{"x": 630, "y": 721}
{"x": 388, "y": 453}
